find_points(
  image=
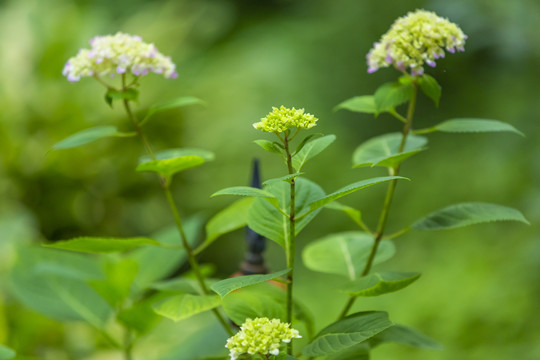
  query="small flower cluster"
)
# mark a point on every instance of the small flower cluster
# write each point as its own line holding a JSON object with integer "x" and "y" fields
{"x": 414, "y": 40}
{"x": 260, "y": 336}
{"x": 118, "y": 54}
{"x": 283, "y": 119}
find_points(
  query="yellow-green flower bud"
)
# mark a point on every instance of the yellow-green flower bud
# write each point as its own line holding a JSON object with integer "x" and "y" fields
{"x": 260, "y": 336}
{"x": 414, "y": 40}
{"x": 282, "y": 119}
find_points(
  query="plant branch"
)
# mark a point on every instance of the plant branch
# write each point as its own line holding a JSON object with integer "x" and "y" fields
{"x": 383, "y": 218}
{"x": 290, "y": 244}
{"x": 178, "y": 220}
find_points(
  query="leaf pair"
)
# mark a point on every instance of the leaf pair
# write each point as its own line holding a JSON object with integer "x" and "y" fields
{"x": 306, "y": 150}
{"x": 100, "y": 132}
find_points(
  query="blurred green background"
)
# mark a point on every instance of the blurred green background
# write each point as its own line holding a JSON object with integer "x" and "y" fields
{"x": 480, "y": 290}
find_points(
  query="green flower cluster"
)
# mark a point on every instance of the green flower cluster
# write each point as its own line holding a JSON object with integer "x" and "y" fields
{"x": 282, "y": 119}
{"x": 414, "y": 40}
{"x": 260, "y": 336}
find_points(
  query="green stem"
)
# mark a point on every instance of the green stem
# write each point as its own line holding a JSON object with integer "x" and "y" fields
{"x": 383, "y": 218}
{"x": 178, "y": 220}
{"x": 290, "y": 245}
{"x": 128, "y": 345}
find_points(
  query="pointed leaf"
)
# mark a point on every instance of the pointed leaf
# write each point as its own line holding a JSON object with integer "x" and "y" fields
{"x": 361, "y": 104}
{"x": 305, "y": 141}
{"x": 57, "y": 296}
{"x": 98, "y": 245}
{"x": 286, "y": 178}
{"x": 475, "y": 125}
{"x": 261, "y": 300}
{"x": 6, "y": 353}
{"x": 351, "y": 212}
{"x": 168, "y": 167}
{"x": 172, "y": 104}
{"x": 89, "y": 135}
{"x": 266, "y": 220}
{"x": 384, "y": 150}
{"x": 169, "y": 261}
{"x": 355, "y": 352}
{"x": 376, "y": 284}
{"x": 390, "y": 95}
{"x": 179, "y": 152}
{"x": 347, "y": 190}
{"x": 244, "y": 191}
{"x": 183, "y": 306}
{"x": 229, "y": 219}
{"x": 310, "y": 150}
{"x": 464, "y": 214}
{"x": 344, "y": 253}
{"x": 405, "y": 336}
{"x": 116, "y": 287}
{"x": 347, "y": 332}
{"x": 224, "y": 287}
{"x": 269, "y": 146}
{"x": 431, "y": 88}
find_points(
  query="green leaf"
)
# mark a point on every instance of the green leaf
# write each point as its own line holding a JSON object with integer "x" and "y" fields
{"x": 224, "y": 287}
{"x": 89, "y": 135}
{"x": 6, "y": 353}
{"x": 244, "y": 191}
{"x": 182, "y": 306}
{"x": 286, "y": 178}
{"x": 168, "y": 167}
{"x": 265, "y": 219}
{"x": 172, "y": 104}
{"x": 116, "y": 288}
{"x": 269, "y": 146}
{"x": 179, "y": 152}
{"x": 347, "y": 332}
{"x": 96, "y": 245}
{"x": 464, "y": 214}
{"x": 431, "y": 88}
{"x": 261, "y": 300}
{"x": 392, "y": 94}
{"x": 347, "y": 190}
{"x": 361, "y": 104}
{"x": 405, "y": 336}
{"x": 59, "y": 295}
{"x": 351, "y": 212}
{"x": 376, "y": 284}
{"x": 305, "y": 141}
{"x": 169, "y": 261}
{"x": 344, "y": 253}
{"x": 310, "y": 150}
{"x": 475, "y": 125}
{"x": 229, "y": 219}
{"x": 128, "y": 94}
{"x": 384, "y": 150}
{"x": 355, "y": 352}
{"x": 141, "y": 317}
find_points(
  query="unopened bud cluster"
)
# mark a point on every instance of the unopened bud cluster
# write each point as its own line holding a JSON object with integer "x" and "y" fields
{"x": 260, "y": 336}
{"x": 282, "y": 119}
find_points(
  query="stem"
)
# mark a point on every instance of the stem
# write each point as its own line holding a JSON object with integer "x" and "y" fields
{"x": 383, "y": 218}
{"x": 128, "y": 345}
{"x": 291, "y": 243}
{"x": 178, "y": 220}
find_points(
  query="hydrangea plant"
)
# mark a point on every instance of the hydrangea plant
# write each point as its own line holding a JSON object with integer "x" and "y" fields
{"x": 259, "y": 313}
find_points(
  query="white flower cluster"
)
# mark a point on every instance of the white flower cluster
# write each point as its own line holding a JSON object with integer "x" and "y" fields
{"x": 416, "y": 39}
{"x": 118, "y": 54}
{"x": 260, "y": 336}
